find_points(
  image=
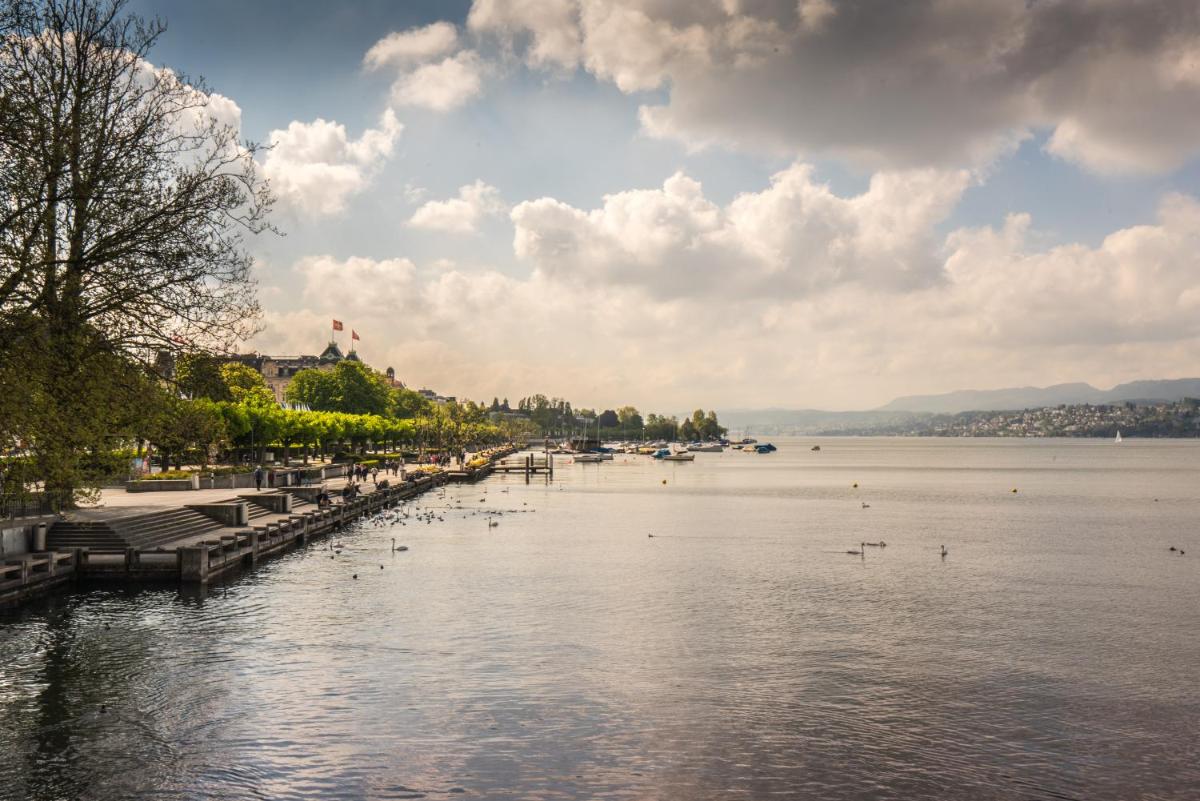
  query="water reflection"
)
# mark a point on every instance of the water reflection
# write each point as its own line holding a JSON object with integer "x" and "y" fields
{"x": 737, "y": 654}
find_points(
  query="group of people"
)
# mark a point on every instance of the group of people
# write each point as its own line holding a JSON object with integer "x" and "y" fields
{"x": 361, "y": 472}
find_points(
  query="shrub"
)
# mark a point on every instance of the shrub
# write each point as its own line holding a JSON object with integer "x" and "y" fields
{"x": 169, "y": 475}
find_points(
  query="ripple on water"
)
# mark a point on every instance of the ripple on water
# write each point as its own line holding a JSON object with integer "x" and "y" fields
{"x": 737, "y": 654}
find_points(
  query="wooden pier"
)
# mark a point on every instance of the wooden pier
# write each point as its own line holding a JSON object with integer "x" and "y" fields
{"x": 529, "y": 464}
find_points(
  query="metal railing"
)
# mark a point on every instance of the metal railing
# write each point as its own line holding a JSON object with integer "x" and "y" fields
{"x": 34, "y": 504}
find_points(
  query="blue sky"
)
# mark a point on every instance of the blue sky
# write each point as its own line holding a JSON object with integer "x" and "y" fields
{"x": 888, "y": 201}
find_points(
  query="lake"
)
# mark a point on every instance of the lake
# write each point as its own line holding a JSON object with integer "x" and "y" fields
{"x": 739, "y": 652}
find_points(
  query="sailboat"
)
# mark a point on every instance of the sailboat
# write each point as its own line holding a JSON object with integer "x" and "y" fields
{"x": 1118, "y": 439}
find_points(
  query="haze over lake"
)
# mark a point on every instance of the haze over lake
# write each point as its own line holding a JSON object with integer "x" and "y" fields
{"x": 737, "y": 653}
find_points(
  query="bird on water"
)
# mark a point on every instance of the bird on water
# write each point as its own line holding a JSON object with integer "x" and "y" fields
{"x": 944, "y": 551}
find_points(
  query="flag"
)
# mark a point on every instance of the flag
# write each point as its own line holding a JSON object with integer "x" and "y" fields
{"x": 354, "y": 334}
{"x": 337, "y": 325}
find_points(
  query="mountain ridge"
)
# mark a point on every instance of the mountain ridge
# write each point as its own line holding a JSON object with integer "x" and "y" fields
{"x": 1011, "y": 398}
{"x": 912, "y": 407}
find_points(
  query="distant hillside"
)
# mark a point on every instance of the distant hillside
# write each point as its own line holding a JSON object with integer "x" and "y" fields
{"x": 808, "y": 421}
{"x": 1033, "y": 397}
{"x": 903, "y": 413}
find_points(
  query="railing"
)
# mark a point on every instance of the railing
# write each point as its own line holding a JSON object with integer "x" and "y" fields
{"x": 35, "y": 504}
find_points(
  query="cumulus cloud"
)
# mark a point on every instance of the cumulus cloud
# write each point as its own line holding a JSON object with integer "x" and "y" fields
{"x": 431, "y": 70}
{"x": 888, "y": 84}
{"x": 796, "y": 236}
{"x": 461, "y": 214}
{"x": 415, "y": 46}
{"x": 1004, "y": 312}
{"x": 315, "y": 167}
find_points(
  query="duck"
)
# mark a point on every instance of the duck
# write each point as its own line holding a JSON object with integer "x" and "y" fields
{"x": 491, "y": 523}
{"x": 944, "y": 551}
{"x": 854, "y": 553}
{"x": 355, "y": 576}
{"x": 650, "y": 535}
{"x": 1172, "y": 548}
{"x": 866, "y": 506}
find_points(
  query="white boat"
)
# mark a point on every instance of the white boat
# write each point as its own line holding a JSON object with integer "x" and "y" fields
{"x": 680, "y": 457}
{"x": 1118, "y": 439}
{"x": 711, "y": 448}
{"x": 586, "y": 458}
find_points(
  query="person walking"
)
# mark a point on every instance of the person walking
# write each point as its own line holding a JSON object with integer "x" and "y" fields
{"x": 258, "y": 478}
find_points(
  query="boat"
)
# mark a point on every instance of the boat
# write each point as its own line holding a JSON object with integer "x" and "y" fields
{"x": 587, "y": 458}
{"x": 749, "y": 448}
{"x": 682, "y": 456}
{"x": 1118, "y": 439}
{"x": 712, "y": 447}
{"x": 767, "y": 448}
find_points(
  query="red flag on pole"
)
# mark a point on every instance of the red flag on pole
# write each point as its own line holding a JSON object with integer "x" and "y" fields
{"x": 337, "y": 325}
{"x": 354, "y": 334}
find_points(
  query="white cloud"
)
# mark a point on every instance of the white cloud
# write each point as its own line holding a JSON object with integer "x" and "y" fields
{"x": 415, "y": 46}
{"x": 315, "y": 167}
{"x": 431, "y": 70}
{"x": 552, "y": 25}
{"x": 442, "y": 85}
{"x": 888, "y": 84}
{"x": 461, "y": 214}
{"x": 1003, "y": 313}
{"x": 795, "y": 237}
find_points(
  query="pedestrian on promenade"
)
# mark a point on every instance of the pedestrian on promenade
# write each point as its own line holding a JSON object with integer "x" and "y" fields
{"x": 375, "y": 474}
{"x": 258, "y": 478}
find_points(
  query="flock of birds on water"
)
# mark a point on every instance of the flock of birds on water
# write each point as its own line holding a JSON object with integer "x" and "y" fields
{"x": 403, "y": 515}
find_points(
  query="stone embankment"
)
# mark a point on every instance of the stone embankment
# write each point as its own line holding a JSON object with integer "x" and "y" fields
{"x": 192, "y": 544}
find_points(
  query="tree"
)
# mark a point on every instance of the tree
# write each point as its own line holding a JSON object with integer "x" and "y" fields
{"x": 609, "y": 419}
{"x": 630, "y": 417}
{"x": 183, "y": 425}
{"x": 246, "y": 385}
{"x": 198, "y": 375}
{"x": 361, "y": 390}
{"x": 124, "y": 200}
{"x": 316, "y": 389}
{"x": 407, "y": 403}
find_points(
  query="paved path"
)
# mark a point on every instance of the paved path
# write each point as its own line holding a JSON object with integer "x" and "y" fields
{"x": 116, "y": 502}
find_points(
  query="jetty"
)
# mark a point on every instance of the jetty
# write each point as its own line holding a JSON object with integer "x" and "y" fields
{"x": 191, "y": 543}
{"x": 529, "y": 464}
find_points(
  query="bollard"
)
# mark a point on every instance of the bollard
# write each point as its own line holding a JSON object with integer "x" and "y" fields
{"x": 40, "y": 532}
{"x": 193, "y": 564}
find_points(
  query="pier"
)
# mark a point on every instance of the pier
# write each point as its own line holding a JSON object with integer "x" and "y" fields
{"x": 529, "y": 464}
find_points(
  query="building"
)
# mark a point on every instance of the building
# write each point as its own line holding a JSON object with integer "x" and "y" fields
{"x": 278, "y": 371}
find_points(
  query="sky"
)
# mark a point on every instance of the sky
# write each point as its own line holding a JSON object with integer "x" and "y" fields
{"x": 720, "y": 203}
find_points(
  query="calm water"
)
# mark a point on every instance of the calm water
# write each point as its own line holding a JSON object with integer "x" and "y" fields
{"x": 739, "y": 653}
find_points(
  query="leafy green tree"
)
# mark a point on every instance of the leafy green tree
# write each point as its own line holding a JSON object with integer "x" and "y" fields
{"x": 406, "y": 403}
{"x": 198, "y": 375}
{"x": 317, "y": 389}
{"x": 246, "y": 385}
{"x": 124, "y": 201}
{"x": 361, "y": 390}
